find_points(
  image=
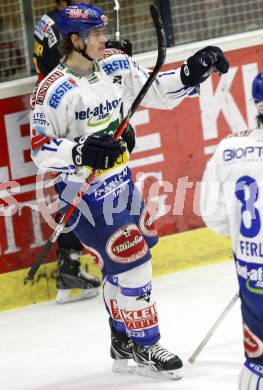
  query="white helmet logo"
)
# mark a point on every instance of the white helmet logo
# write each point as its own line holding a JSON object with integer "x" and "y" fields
{"x": 104, "y": 19}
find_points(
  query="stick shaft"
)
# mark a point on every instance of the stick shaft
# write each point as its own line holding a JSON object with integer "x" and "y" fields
{"x": 214, "y": 327}
{"x": 117, "y": 10}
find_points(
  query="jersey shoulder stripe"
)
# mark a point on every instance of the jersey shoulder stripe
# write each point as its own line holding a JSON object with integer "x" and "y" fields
{"x": 244, "y": 133}
{"x": 46, "y": 84}
{"x": 111, "y": 52}
{"x": 53, "y": 89}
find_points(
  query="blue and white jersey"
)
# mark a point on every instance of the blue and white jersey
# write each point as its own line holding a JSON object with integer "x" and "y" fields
{"x": 231, "y": 204}
{"x": 69, "y": 104}
{"x": 114, "y": 221}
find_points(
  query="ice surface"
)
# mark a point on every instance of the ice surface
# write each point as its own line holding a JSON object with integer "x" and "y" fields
{"x": 66, "y": 347}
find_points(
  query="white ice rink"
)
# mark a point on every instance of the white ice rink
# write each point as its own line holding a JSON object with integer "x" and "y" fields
{"x": 52, "y": 347}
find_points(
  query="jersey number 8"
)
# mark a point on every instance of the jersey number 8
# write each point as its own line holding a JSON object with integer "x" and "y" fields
{"x": 246, "y": 191}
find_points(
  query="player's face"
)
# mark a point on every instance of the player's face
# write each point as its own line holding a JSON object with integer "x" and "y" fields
{"x": 96, "y": 43}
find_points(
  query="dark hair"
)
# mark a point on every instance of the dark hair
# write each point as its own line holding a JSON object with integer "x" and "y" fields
{"x": 65, "y": 45}
{"x": 260, "y": 120}
{"x": 66, "y": 1}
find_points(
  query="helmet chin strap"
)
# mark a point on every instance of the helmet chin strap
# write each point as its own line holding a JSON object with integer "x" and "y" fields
{"x": 84, "y": 54}
{"x": 83, "y": 51}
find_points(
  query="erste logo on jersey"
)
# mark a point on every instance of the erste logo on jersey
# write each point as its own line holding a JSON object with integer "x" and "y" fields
{"x": 98, "y": 115}
{"x": 60, "y": 91}
{"x": 116, "y": 64}
{"x": 126, "y": 245}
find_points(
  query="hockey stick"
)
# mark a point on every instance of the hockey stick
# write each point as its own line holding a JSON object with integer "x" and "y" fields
{"x": 214, "y": 327}
{"x": 158, "y": 24}
{"x": 117, "y": 9}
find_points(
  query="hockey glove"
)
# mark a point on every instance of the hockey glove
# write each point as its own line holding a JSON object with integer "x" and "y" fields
{"x": 97, "y": 152}
{"x": 125, "y": 46}
{"x": 199, "y": 66}
{"x": 128, "y": 137}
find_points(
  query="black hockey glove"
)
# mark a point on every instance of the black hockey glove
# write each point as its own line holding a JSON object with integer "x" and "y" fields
{"x": 97, "y": 152}
{"x": 124, "y": 45}
{"x": 128, "y": 137}
{"x": 199, "y": 66}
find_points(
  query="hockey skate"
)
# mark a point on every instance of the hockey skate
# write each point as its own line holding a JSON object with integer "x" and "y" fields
{"x": 155, "y": 361}
{"x": 73, "y": 283}
{"x": 121, "y": 351}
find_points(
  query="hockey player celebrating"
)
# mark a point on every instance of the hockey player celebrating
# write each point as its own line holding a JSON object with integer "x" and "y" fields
{"x": 79, "y": 102}
{"x": 70, "y": 275}
{"x": 46, "y": 56}
{"x": 235, "y": 172}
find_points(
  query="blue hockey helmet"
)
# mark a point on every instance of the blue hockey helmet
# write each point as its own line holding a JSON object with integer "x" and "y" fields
{"x": 81, "y": 18}
{"x": 257, "y": 88}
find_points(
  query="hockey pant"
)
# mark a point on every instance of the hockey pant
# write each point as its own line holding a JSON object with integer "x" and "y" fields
{"x": 251, "y": 380}
{"x": 117, "y": 228}
{"x": 129, "y": 300}
{"x": 251, "y": 377}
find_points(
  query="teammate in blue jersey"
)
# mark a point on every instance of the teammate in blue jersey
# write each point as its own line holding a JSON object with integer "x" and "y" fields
{"x": 80, "y": 104}
{"x": 235, "y": 174}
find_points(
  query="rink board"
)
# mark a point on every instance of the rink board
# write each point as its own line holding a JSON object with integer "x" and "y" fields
{"x": 173, "y": 253}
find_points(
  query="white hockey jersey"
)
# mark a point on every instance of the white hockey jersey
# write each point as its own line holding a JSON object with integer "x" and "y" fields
{"x": 232, "y": 193}
{"x": 68, "y": 105}
{"x": 231, "y": 204}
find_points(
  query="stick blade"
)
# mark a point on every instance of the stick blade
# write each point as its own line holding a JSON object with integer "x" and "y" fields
{"x": 31, "y": 273}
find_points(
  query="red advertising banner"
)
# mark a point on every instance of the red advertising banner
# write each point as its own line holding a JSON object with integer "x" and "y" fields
{"x": 171, "y": 151}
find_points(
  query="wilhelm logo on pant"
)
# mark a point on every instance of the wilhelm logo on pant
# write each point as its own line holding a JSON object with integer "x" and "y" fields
{"x": 140, "y": 319}
{"x": 126, "y": 245}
